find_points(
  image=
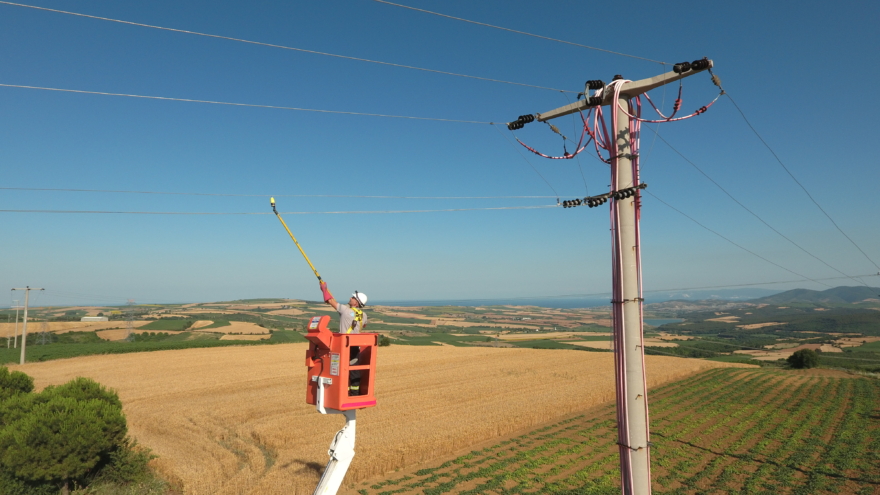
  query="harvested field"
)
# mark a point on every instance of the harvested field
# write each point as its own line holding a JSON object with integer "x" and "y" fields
{"x": 201, "y": 324}
{"x": 773, "y": 355}
{"x": 855, "y": 341}
{"x": 725, "y": 319}
{"x": 288, "y": 312}
{"x": 595, "y": 344}
{"x": 61, "y": 326}
{"x": 233, "y": 420}
{"x": 549, "y": 335}
{"x": 754, "y": 326}
{"x": 242, "y": 327}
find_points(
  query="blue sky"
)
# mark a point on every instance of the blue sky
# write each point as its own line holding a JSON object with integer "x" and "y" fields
{"x": 790, "y": 66}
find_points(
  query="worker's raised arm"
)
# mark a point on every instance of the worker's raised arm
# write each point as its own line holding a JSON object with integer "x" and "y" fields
{"x": 328, "y": 297}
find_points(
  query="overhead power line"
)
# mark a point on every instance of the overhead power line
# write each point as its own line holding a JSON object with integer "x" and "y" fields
{"x": 373, "y": 212}
{"x": 723, "y": 237}
{"x": 734, "y": 243}
{"x": 528, "y": 162}
{"x": 743, "y": 206}
{"x": 265, "y": 195}
{"x": 275, "y": 107}
{"x": 272, "y": 45}
{"x": 779, "y": 160}
{"x": 518, "y": 32}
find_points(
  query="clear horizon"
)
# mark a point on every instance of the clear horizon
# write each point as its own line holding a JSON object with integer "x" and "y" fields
{"x": 231, "y": 159}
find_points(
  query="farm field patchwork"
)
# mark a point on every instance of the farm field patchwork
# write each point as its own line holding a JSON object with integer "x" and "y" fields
{"x": 233, "y": 420}
{"x": 722, "y": 431}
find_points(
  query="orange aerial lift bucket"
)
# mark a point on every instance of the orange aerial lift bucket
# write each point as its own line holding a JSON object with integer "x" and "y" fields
{"x": 330, "y": 365}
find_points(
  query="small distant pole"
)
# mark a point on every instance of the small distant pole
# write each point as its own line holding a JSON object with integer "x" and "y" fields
{"x": 15, "y": 339}
{"x": 27, "y": 292}
{"x": 129, "y": 320}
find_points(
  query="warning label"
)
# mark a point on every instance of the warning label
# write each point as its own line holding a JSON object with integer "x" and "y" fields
{"x": 334, "y": 363}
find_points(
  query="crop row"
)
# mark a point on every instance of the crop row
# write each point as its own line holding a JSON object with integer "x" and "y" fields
{"x": 725, "y": 431}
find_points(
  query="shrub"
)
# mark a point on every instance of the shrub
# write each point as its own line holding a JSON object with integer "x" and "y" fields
{"x": 128, "y": 464}
{"x": 61, "y": 439}
{"x": 74, "y": 432}
{"x": 804, "y": 358}
{"x": 14, "y": 382}
{"x": 384, "y": 341}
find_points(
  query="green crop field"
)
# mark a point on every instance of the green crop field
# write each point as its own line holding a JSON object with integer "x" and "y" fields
{"x": 167, "y": 324}
{"x": 724, "y": 431}
{"x": 75, "y": 344}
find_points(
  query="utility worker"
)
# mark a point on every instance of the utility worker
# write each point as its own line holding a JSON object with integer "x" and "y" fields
{"x": 352, "y": 319}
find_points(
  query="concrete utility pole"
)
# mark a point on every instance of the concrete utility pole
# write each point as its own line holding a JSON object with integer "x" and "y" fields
{"x": 27, "y": 292}
{"x": 632, "y": 393}
{"x": 15, "y": 334}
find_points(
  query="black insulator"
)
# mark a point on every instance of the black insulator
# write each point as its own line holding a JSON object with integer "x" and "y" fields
{"x": 594, "y": 101}
{"x": 700, "y": 64}
{"x": 577, "y": 202}
{"x": 595, "y": 84}
{"x": 681, "y": 67}
{"x": 525, "y": 119}
{"x": 617, "y": 77}
{"x": 515, "y": 125}
{"x": 643, "y": 185}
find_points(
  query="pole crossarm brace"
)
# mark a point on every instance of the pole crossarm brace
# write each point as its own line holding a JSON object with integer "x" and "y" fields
{"x": 631, "y": 89}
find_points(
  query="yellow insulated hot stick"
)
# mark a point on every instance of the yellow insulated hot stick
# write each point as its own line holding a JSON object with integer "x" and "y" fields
{"x": 272, "y": 200}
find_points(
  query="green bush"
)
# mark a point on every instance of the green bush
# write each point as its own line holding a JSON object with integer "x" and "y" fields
{"x": 128, "y": 464}
{"x": 71, "y": 434}
{"x": 384, "y": 341}
{"x": 61, "y": 439}
{"x": 15, "y": 382}
{"x": 804, "y": 358}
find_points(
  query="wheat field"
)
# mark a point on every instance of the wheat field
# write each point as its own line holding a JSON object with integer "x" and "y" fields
{"x": 233, "y": 420}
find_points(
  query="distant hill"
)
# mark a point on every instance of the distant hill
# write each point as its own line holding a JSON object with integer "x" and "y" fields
{"x": 837, "y": 295}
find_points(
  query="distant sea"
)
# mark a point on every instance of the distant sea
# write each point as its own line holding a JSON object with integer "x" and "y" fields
{"x": 743, "y": 294}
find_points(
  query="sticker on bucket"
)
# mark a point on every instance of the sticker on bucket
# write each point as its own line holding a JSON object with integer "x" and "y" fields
{"x": 313, "y": 324}
{"x": 334, "y": 364}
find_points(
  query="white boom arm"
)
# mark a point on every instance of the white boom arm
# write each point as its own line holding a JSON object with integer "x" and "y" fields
{"x": 341, "y": 453}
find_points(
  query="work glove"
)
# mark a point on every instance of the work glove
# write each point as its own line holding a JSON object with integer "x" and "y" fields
{"x": 326, "y": 292}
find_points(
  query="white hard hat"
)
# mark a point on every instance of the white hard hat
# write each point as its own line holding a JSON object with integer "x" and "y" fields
{"x": 361, "y": 297}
